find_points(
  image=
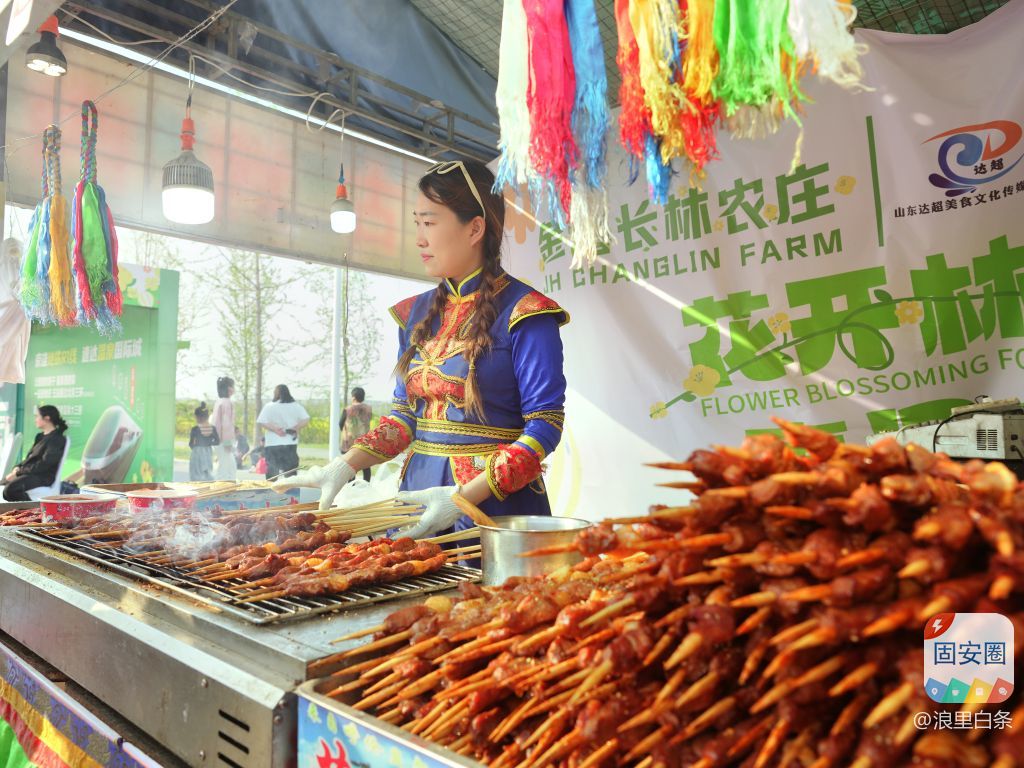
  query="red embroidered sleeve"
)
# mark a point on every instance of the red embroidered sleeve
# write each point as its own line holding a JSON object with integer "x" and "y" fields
{"x": 510, "y": 468}
{"x": 390, "y": 438}
{"x": 536, "y": 303}
{"x": 403, "y": 310}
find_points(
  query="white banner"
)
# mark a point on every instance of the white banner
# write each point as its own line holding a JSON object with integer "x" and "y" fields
{"x": 878, "y": 283}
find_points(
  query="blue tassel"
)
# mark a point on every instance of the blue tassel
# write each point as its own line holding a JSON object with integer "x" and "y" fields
{"x": 659, "y": 173}
{"x": 590, "y": 117}
{"x": 590, "y": 121}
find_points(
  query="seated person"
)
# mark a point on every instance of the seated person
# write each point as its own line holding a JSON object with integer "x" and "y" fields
{"x": 43, "y": 462}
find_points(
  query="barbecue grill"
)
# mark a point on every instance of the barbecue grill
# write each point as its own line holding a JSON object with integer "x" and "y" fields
{"x": 219, "y": 595}
{"x": 210, "y": 679}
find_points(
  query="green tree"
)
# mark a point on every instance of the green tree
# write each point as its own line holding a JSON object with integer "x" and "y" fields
{"x": 254, "y": 293}
{"x": 360, "y": 327}
{"x": 162, "y": 252}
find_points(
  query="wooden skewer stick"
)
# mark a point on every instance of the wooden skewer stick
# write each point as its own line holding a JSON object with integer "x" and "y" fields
{"x": 682, "y": 466}
{"x": 938, "y": 605}
{"x": 755, "y": 600}
{"x": 854, "y": 679}
{"x": 754, "y": 620}
{"x": 469, "y": 533}
{"x": 789, "y": 634}
{"x": 889, "y": 705}
{"x": 358, "y": 634}
{"x": 267, "y": 595}
{"x": 685, "y": 649}
{"x": 472, "y": 511}
{"x": 384, "y": 642}
{"x": 473, "y": 549}
{"x": 915, "y": 568}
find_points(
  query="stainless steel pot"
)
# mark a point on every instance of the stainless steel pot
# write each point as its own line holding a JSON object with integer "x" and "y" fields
{"x": 503, "y": 544}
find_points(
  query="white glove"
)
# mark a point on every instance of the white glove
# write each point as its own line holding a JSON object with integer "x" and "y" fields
{"x": 440, "y": 511}
{"x": 329, "y": 480}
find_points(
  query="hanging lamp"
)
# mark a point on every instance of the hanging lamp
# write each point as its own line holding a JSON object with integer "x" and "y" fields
{"x": 343, "y": 212}
{"x": 188, "y": 182}
{"x": 46, "y": 56}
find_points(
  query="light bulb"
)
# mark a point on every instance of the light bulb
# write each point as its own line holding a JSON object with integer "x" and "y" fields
{"x": 188, "y": 184}
{"x": 188, "y": 205}
{"x": 46, "y": 56}
{"x": 343, "y": 216}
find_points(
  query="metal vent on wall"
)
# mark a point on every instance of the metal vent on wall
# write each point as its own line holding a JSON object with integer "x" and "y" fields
{"x": 232, "y": 735}
{"x": 987, "y": 439}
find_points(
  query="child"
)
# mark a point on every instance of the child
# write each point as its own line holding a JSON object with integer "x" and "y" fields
{"x": 256, "y": 458}
{"x": 201, "y": 440}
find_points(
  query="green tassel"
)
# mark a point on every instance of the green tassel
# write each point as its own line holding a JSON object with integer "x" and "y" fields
{"x": 94, "y": 243}
{"x": 29, "y": 293}
{"x": 750, "y": 36}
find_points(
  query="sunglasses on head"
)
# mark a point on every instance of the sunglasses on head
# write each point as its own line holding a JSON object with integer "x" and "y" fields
{"x": 442, "y": 168}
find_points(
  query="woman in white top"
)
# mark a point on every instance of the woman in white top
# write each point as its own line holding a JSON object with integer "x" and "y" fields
{"x": 282, "y": 420}
{"x": 223, "y": 420}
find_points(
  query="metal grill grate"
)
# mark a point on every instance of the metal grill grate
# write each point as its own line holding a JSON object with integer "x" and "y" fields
{"x": 220, "y": 596}
{"x": 987, "y": 439}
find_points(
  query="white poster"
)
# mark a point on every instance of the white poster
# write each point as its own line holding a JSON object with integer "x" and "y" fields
{"x": 877, "y": 284}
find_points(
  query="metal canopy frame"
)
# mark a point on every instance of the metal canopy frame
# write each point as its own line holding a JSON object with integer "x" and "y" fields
{"x": 428, "y": 127}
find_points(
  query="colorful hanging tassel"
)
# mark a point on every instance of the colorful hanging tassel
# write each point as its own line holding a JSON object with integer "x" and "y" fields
{"x": 35, "y": 279}
{"x": 658, "y": 28}
{"x": 95, "y": 244}
{"x": 634, "y": 115}
{"x": 687, "y": 67}
{"x": 588, "y": 212}
{"x": 510, "y": 97}
{"x": 550, "y": 98}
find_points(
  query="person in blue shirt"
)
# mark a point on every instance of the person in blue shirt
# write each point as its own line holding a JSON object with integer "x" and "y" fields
{"x": 480, "y": 392}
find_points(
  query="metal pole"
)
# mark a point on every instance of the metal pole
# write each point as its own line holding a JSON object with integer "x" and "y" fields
{"x": 334, "y": 448}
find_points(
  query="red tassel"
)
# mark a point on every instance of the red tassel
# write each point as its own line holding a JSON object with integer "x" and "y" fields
{"x": 634, "y": 115}
{"x": 551, "y": 94}
{"x": 699, "y": 128}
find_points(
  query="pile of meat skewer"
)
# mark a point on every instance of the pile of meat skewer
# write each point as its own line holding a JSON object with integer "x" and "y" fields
{"x": 265, "y": 554}
{"x": 776, "y": 620}
{"x": 22, "y": 517}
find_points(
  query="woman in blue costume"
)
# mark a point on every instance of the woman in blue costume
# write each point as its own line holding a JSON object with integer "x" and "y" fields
{"x": 480, "y": 391}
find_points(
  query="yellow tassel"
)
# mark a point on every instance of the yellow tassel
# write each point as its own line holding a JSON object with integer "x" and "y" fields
{"x": 653, "y": 22}
{"x": 700, "y": 62}
{"x": 62, "y": 299}
{"x": 797, "y": 148}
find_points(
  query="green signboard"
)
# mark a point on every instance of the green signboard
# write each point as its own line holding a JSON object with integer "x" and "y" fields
{"x": 116, "y": 393}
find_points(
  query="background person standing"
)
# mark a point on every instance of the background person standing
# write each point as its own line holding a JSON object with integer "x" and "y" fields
{"x": 223, "y": 420}
{"x": 355, "y": 422}
{"x": 282, "y": 419}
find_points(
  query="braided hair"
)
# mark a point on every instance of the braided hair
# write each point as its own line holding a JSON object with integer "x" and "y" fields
{"x": 452, "y": 191}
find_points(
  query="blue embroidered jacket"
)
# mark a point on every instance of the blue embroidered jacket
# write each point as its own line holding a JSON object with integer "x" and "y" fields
{"x": 522, "y": 387}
